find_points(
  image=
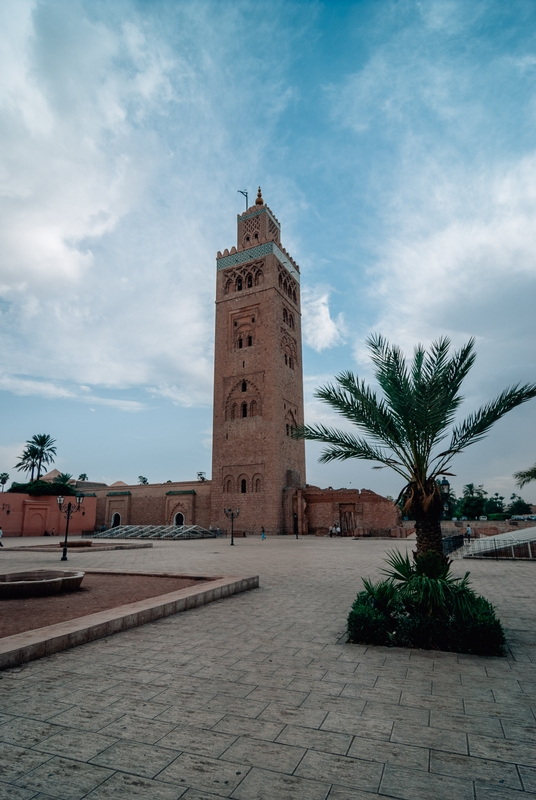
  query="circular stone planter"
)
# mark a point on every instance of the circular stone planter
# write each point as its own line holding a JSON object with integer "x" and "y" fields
{"x": 38, "y": 583}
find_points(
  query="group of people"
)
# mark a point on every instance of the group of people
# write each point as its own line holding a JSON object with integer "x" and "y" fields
{"x": 334, "y": 530}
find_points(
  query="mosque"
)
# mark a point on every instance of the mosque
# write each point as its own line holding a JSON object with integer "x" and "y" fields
{"x": 257, "y": 466}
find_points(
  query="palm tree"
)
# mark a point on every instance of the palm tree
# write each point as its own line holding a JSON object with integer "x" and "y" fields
{"x": 63, "y": 477}
{"x": 28, "y": 460}
{"x": 525, "y": 476}
{"x": 142, "y": 480}
{"x": 83, "y": 477}
{"x": 45, "y": 450}
{"x": 4, "y": 477}
{"x": 405, "y": 427}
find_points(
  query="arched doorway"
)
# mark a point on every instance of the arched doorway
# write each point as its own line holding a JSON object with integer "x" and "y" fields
{"x": 179, "y": 518}
{"x": 116, "y": 520}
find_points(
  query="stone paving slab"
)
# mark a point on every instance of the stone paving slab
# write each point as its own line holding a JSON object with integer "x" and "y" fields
{"x": 30, "y": 645}
{"x": 259, "y": 698}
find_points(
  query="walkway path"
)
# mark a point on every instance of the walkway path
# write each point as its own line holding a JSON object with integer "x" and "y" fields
{"x": 255, "y": 698}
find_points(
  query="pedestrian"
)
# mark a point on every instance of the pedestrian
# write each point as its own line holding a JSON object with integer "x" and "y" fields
{"x": 339, "y": 530}
{"x": 53, "y": 532}
{"x": 330, "y": 532}
{"x": 468, "y": 533}
{"x": 263, "y": 535}
{"x": 218, "y": 533}
{"x": 1, "y": 534}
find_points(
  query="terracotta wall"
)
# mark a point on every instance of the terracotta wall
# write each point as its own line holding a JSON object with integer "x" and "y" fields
{"x": 32, "y": 516}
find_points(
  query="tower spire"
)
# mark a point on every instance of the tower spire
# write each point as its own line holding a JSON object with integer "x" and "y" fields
{"x": 259, "y": 201}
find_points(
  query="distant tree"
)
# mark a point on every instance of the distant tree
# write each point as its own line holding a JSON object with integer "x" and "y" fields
{"x": 45, "y": 450}
{"x": 494, "y": 504}
{"x": 525, "y": 476}
{"x": 142, "y": 480}
{"x": 63, "y": 477}
{"x": 4, "y": 477}
{"x": 518, "y": 506}
{"x": 83, "y": 477}
{"x": 28, "y": 460}
{"x": 471, "y": 504}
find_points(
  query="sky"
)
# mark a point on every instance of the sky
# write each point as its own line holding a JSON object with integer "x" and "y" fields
{"x": 395, "y": 141}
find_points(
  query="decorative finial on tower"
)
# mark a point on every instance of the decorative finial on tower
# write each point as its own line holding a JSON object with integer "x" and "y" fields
{"x": 259, "y": 201}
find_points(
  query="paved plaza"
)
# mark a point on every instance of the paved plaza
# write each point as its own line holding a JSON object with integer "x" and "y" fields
{"x": 256, "y": 697}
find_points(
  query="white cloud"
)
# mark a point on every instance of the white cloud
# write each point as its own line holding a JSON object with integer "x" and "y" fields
{"x": 119, "y": 151}
{"x": 51, "y": 391}
{"x": 320, "y": 331}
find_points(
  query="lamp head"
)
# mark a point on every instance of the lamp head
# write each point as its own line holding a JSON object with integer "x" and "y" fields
{"x": 60, "y": 500}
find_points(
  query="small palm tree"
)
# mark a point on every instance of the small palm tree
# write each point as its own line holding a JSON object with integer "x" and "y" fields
{"x": 525, "y": 476}
{"x": 142, "y": 480}
{"x": 83, "y": 477}
{"x": 4, "y": 477}
{"x": 28, "y": 460}
{"x": 405, "y": 428}
{"x": 63, "y": 477}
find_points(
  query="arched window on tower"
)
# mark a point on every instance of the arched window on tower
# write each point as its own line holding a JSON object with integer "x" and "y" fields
{"x": 239, "y": 285}
{"x": 240, "y": 343}
{"x": 228, "y": 486}
{"x": 244, "y": 386}
{"x": 286, "y": 359}
{"x": 294, "y": 295}
{"x": 285, "y": 315}
{"x": 280, "y": 280}
{"x": 257, "y": 485}
{"x": 249, "y": 281}
{"x": 243, "y": 486}
{"x": 253, "y": 408}
{"x": 244, "y": 409}
{"x": 233, "y": 411}
{"x": 250, "y": 341}
{"x": 291, "y": 321}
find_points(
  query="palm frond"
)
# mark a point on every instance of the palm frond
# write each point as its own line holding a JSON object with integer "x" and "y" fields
{"x": 477, "y": 425}
{"x": 343, "y": 445}
{"x": 525, "y": 476}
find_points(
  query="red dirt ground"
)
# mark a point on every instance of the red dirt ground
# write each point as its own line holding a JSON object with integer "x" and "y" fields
{"x": 98, "y": 592}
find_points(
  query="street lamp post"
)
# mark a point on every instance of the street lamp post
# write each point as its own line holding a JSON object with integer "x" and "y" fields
{"x": 69, "y": 509}
{"x": 444, "y": 488}
{"x": 232, "y": 515}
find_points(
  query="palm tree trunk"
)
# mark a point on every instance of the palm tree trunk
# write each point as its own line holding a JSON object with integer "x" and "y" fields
{"x": 428, "y": 533}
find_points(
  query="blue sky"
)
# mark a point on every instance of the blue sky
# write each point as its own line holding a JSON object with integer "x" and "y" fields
{"x": 395, "y": 141}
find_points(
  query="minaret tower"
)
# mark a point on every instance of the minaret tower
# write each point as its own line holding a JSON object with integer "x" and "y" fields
{"x": 258, "y": 384}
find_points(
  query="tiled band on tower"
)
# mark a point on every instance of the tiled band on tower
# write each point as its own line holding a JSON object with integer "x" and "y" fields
{"x": 258, "y": 384}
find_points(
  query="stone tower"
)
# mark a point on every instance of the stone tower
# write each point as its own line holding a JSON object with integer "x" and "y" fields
{"x": 258, "y": 384}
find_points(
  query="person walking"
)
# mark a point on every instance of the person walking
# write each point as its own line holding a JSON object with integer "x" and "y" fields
{"x": 263, "y": 535}
{"x": 331, "y": 532}
{"x": 468, "y": 533}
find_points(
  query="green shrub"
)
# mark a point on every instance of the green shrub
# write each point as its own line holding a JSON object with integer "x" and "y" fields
{"x": 422, "y": 605}
{"x": 41, "y": 488}
{"x": 367, "y": 624}
{"x": 479, "y": 633}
